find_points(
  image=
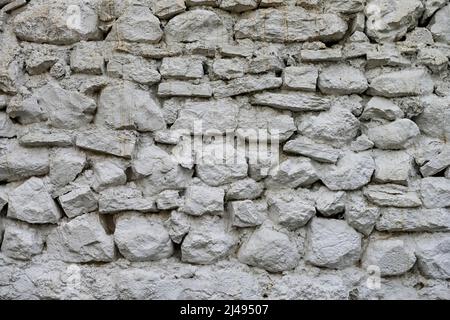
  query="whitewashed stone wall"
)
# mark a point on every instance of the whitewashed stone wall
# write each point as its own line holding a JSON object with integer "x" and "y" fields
{"x": 105, "y": 196}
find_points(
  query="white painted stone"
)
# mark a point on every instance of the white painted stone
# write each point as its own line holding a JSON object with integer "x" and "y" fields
{"x": 21, "y": 241}
{"x": 391, "y": 195}
{"x": 79, "y": 201}
{"x": 201, "y": 200}
{"x": 342, "y": 79}
{"x": 395, "y": 135}
{"x": 435, "y": 192}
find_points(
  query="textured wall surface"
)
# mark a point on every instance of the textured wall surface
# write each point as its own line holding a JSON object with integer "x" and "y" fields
{"x": 173, "y": 149}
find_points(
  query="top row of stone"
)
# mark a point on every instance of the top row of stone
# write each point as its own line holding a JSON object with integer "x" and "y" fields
{"x": 64, "y": 22}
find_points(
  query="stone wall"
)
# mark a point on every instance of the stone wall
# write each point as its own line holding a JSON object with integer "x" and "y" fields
{"x": 173, "y": 149}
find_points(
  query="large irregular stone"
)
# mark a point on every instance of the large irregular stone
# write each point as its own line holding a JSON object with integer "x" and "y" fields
{"x": 124, "y": 198}
{"x": 391, "y": 195}
{"x": 82, "y": 239}
{"x": 78, "y": 201}
{"x": 270, "y": 249}
{"x": 409, "y": 82}
{"x": 395, "y": 135}
{"x": 435, "y": 192}
{"x": 440, "y": 25}
{"x": 196, "y": 26}
{"x": 389, "y": 20}
{"x": 308, "y": 148}
{"x": 17, "y": 162}
{"x": 392, "y": 256}
{"x": 58, "y": 22}
{"x": 293, "y": 101}
{"x": 393, "y": 167}
{"x": 360, "y": 214}
{"x": 31, "y": 202}
{"x": 139, "y": 238}
{"x": 244, "y": 214}
{"x": 117, "y": 143}
{"x": 133, "y": 68}
{"x": 201, "y": 200}
{"x": 293, "y": 173}
{"x": 289, "y": 208}
{"x": 247, "y": 84}
{"x": 342, "y": 79}
{"x": 435, "y": 117}
{"x": 336, "y": 127}
{"x": 125, "y": 107}
{"x": 293, "y": 25}
{"x": 60, "y": 108}
{"x": 182, "y": 68}
{"x": 332, "y": 244}
{"x": 21, "y": 241}
{"x": 137, "y": 24}
{"x": 433, "y": 255}
{"x": 206, "y": 244}
{"x": 352, "y": 171}
{"x": 414, "y": 220}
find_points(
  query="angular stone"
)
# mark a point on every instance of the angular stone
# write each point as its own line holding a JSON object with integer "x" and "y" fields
{"x": 139, "y": 238}
{"x": 409, "y": 82}
{"x": 200, "y": 200}
{"x": 184, "y": 89}
{"x": 271, "y": 25}
{"x": 270, "y": 250}
{"x": 31, "y": 202}
{"x": 79, "y": 201}
{"x": 431, "y": 6}
{"x": 7, "y": 128}
{"x": 439, "y": 25}
{"x": 18, "y": 163}
{"x": 86, "y": 57}
{"x": 433, "y": 121}
{"x": 168, "y": 8}
{"x": 107, "y": 174}
{"x": 125, "y": 107}
{"x": 395, "y": 135}
{"x": 362, "y": 143}
{"x": 360, "y": 214}
{"x": 230, "y": 50}
{"x": 345, "y": 6}
{"x": 433, "y": 255}
{"x": 206, "y": 244}
{"x": 293, "y": 101}
{"x": 238, "y": 5}
{"x": 245, "y": 189}
{"x": 437, "y": 163}
{"x": 386, "y": 54}
{"x": 117, "y": 143}
{"x": 414, "y": 220}
{"x": 187, "y": 68}
{"x": 65, "y": 165}
{"x": 81, "y": 240}
{"x": 393, "y": 256}
{"x": 381, "y": 108}
{"x": 435, "y": 192}
{"x": 292, "y": 173}
{"x": 289, "y": 208}
{"x": 44, "y": 137}
{"x": 264, "y": 62}
{"x": 38, "y": 62}
{"x": 168, "y": 200}
{"x": 228, "y": 69}
{"x": 178, "y": 226}
{"x": 21, "y": 241}
{"x": 391, "y": 195}
{"x": 330, "y": 203}
{"x": 336, "y": 127}
{"x": 393, "y": 167}
{"x": 196, "y": 26}
{"x": 244, "y": 214}
{"x": 316, "y": 151}
{"x": 301, "y": 78}
{"x": 247, "y": 84}
{"x": 342, "y": 79}
{"x": 124, "y": 198}
{"x": 433, "y": 58}
{"x": 322, "y": 55}
{"x": 61, "y": 108}
{"x": 390, "y": 20}
{"x": 132, "y": 68}
{"x": 58, "y": 22}
{"x": 332, "y": 244}
{"x": 352, "y": 171}
{"x": 137, "y": 24}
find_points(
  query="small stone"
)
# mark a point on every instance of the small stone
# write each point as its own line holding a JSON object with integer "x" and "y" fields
{"x": 244, "y": 214}
{"x": 81, "y": 240}
{"x": 7, "y": 128}
{"x": 132, "y": 68}
{"x": 316, "y": 151}
{"x": 386, "y": 54}
{"x": 65, "y": 165}
{"x": 395, "y": 135}
{"x": 391, "y": 195}
{"x": 38, "y": 63}
{"x": 413, "y": 220}
{"x": 139, "y": 238}
{"x": 293, "y": 101}
{"x": 245, "y": 189}
{"x": 435, "y": 192}
{"x": 332, "y": 244}
{"x": 360, "y": 214}
{"x": 168, "y": 8}
{"x": 184, "y": 89}
{"x": 119, "y": 144}
{"x": 433, "y": 255}
{"x": 292, "y": 173}
{"x": 433, "y": 58}
{"x": 437, "y": 163}
{"x": 228, "y": 69}
{"x": 393, "y": 256}
{"x": 79, "y": 201}
{"x": 263, "y": 63}
{"x": 86, "y": 57}
{"x": 409, "y": 82}
{"x": 44, "y": 137}
{"x": 301, "y": 78}
{"x": 362, "y": 143}
{"x": 270, "y": 250}
{"x": 186, "y": 68}
{"x": 178, "y": 226}
{"x": 247, "y": 84}
{"x": 322, "y": 55}
{"x": 381, "y": 108}
{"x": 289, "y": 208}
{"x": 342, "y": 79}
{"x": 238, "y": 5}
{"x": 169, "y": 200}
{"x": 124, "y": 198}
{"x": 330, "y": 203}
{"x": 201, "y": 200}
{"x": 21, "y": 241}
{"x": 230, "y": 50}
{"x": 108, "y": 174}
{"x": 31, "y": 202}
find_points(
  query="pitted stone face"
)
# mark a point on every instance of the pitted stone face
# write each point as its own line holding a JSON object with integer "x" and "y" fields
{"x": 224, "y": 149}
